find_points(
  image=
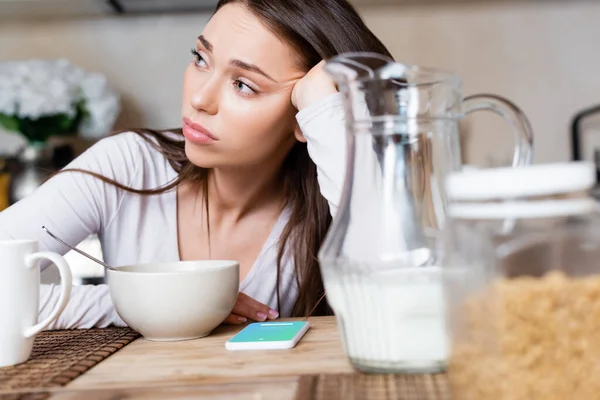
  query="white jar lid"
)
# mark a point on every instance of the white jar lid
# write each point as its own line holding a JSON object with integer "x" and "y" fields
{"x": 526, "y": 181}
{"x": 523, "y": 209}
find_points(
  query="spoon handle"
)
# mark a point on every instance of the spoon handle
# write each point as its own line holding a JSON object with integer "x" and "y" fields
{"x": 76, "y": 249}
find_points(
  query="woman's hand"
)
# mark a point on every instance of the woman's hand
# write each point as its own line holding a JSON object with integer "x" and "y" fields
{"x": 248, "y": 309}
{"x": 314, "y": 86}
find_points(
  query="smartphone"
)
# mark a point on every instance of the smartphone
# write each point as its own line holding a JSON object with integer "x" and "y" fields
{"x": 268, "y": 336}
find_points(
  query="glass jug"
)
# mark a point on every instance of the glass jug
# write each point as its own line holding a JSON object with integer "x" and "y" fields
{"x": 379, "y": 260}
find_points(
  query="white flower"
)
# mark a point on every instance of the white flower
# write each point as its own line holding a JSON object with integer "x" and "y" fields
{"x": 40, "y": 88}
{"x": 101, "y": 104}
{"x": 8, "y": 104}
{"x": 94, "y": 86}
{"x": 102, "y": 114}
{"x": 54, "y": 97}
{"x": 8, "y": 95}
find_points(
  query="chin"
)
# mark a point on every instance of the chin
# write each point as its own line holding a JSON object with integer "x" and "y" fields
{"x": 201, "y": 156}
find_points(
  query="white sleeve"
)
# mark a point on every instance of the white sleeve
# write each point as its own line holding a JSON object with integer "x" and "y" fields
{"x": 89, "y": 307}
{"x": 74, "y": 205}
{"x": 324, "y": 127}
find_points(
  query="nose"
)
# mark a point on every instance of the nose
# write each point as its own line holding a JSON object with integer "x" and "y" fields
{"x": 206, "y": 96}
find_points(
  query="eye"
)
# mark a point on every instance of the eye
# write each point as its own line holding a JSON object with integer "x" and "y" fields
{"x": 243, "y": 88}
{"x": 198, "y": 59}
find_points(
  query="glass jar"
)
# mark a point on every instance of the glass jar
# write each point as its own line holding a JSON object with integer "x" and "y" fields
{"x": 522, "y": 283}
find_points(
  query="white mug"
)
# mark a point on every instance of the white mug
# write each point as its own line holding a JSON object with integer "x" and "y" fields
{"x": 20, "y": 297}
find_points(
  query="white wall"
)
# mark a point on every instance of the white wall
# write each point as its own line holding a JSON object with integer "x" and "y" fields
{"x": 543, "y": 57}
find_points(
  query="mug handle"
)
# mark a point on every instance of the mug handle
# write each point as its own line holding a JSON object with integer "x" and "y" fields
{"x": 66, "y": 281}
{"x": 512, "y": 114}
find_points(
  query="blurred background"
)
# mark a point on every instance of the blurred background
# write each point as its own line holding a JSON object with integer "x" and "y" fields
{"x": 543, "y": 55}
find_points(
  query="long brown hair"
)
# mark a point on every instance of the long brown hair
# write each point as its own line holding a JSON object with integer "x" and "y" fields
{"x": 317, "y": 30}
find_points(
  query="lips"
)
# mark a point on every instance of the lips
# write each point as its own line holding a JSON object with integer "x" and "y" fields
{"x": 196, "y": 133}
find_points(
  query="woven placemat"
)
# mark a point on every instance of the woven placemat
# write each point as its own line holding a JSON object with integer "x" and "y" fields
{"x": 373, "y": 387}
{"x": 58, "y": 357}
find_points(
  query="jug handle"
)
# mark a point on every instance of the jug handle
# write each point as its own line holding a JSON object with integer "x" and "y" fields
{"x": 523, "y": 154}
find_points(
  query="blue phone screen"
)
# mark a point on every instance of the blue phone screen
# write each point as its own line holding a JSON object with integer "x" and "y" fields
{"x": 269, "y": 332}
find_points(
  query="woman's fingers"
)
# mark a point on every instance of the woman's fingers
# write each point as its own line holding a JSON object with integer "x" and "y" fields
{"x": 234, "y": 319}
{"x": 253, "y": 310}
{"x": 247, "y": 309}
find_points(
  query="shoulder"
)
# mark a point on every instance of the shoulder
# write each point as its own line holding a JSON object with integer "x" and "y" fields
{"x": 126, "y": 145}
{"x": 127, "y": 149}
{"x": 126, "y": 157}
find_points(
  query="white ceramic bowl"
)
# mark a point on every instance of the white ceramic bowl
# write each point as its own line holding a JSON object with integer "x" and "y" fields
{"x": 175, "y": 301}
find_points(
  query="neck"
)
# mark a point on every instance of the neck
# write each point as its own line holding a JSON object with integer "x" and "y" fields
{"x": 236, "y": 192}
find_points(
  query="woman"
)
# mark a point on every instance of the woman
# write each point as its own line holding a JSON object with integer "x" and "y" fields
{"x": 237, "y": 182}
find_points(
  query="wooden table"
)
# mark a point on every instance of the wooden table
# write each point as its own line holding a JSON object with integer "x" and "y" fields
{"x": 205, "y": 369}
{"x": 317, "y": 368}
{"x": 263, "y": 390}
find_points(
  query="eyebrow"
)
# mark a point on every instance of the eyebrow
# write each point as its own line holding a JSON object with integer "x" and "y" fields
{"x": 236, "y": 63}
{"x": 205, "y": 43}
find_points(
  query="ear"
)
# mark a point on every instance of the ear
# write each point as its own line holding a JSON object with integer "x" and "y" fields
{"x": 298, "y": 134}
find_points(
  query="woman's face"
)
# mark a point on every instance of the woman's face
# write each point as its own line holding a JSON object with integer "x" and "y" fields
{"x": 237, "y": 109}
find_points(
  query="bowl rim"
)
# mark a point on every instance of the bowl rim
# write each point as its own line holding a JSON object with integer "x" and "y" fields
{"x": 225, "y": 264}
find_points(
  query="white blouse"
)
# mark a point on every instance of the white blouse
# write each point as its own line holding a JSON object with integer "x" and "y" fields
{"x": 137, "y": 229}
